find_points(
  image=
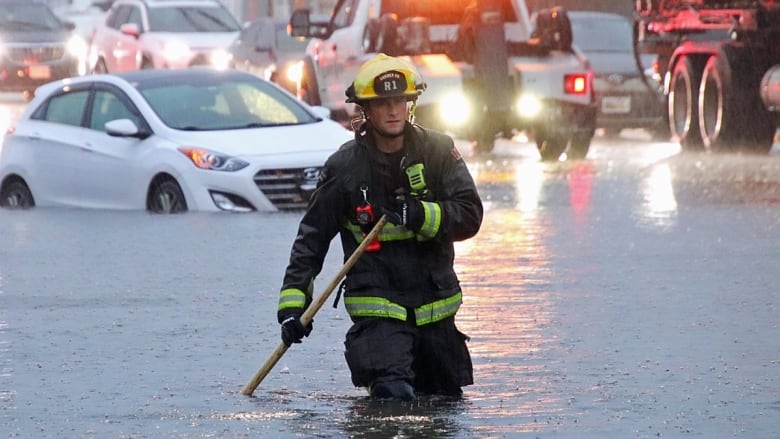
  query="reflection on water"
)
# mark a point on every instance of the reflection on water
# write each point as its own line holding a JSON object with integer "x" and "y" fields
{"x": 6, "y": 369}
{"x": 659, "y": 206}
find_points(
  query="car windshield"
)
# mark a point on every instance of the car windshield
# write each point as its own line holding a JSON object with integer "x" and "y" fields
{"x": 217, "y": 103}
{"x": 27, "y": 17}
{"x": 608, "y": 35}
{"x": 192, "y": 19}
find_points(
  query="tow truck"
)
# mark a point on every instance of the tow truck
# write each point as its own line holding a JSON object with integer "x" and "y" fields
{"x": 720, "y": 66}
{"x": 490, "y": 74}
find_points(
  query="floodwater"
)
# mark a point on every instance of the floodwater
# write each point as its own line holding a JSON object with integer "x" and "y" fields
{"x": 632, "y": 295}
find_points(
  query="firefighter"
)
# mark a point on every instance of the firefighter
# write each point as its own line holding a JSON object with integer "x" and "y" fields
{"x": 403, "y": 293}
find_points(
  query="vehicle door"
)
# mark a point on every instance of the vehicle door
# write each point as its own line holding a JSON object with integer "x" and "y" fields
{"x": 112, "y": 168}
{"x": 338, "y": 56}
{"x": 125, "y": 48}
{"x": 53, "y": 137}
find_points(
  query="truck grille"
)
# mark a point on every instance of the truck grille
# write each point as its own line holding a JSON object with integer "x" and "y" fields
{"x": 288, "y": 188}
{"x": 35, "y": 54}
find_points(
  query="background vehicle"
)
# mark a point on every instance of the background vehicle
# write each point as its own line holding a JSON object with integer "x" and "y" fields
{"x": 36, "y": 47}
{"x": 265, "y": 49}
{"x": 487, "y": 74}
{"x": 163, "y": 34}
{"x": 166, "y": 141}
{"x": 721, "y": 67}
{"x": 627, "y": 96}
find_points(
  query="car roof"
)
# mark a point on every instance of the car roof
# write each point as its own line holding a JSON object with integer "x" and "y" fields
{"x": 140, "y": 76}
{"x": 154, "y": 3}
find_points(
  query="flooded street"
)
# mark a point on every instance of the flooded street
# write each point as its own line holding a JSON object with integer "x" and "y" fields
{"x": 631, "y": 295}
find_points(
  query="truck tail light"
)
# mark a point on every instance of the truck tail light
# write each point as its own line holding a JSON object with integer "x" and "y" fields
{"x": 577, "y": 84}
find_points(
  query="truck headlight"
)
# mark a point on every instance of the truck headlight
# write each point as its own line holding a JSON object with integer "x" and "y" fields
{"x": 528, "y": 106}
{"x": 454, "y": 109}
{"x": 295, "y": 72}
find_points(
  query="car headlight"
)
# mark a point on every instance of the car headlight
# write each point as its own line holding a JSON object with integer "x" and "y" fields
{"x": 77, "y": 47}
{"x": 220, "y": 59}
{"x": 175, "y": 50}
{"x": 528, "y": 106}
{"x": 213, "y": 161}
{"x": 294, "y": 72}
{"x": 454, "y": 109}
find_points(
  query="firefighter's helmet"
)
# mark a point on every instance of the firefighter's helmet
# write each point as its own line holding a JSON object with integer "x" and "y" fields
{"x": 385, "y": 76}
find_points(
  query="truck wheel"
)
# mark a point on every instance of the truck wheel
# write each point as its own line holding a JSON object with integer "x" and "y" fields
{"x": 683, "y": 104}
{"x": 387, "y": 38}
{"x": 729, "y": 118}
{"x": 308, "y": 90}
{"x": 485, "y": 144}
{"x": 579, "y": 146}
{"x": 550, "y": 146}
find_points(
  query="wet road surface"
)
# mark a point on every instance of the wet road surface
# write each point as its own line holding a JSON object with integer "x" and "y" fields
{"x": 631, "y": 295}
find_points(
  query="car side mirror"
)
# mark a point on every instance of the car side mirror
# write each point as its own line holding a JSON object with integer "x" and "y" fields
{"x": 124, "y": 128}
{"x": 300, "y": 25}
{"x": 300, "y": 21}
{"x": 130, "y": 29}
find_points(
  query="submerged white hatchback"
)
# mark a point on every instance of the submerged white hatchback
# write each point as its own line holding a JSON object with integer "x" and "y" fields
{"x": 166, "y": 141}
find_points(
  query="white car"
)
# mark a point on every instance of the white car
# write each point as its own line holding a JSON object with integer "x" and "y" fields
{"x": 166, "y": 141}
{"x": 163, "y": 34}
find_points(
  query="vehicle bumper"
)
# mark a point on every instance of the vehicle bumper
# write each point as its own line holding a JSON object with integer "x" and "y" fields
{"x": 22, "y": 77}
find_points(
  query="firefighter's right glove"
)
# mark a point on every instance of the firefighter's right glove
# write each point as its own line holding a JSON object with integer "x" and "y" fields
{"x": 293, "y": 330}
{"x": 406, "y": 211}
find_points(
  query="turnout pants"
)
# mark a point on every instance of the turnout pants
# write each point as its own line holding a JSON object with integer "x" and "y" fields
{"x": 432, "y": 358}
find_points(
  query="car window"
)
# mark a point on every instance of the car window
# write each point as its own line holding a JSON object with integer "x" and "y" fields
{"x": 344, "y": 14}
{"x": 135, "y": 17}
{"x": 66, "y": 108}
{"x": 118, "y": 17}
{"x": 27, "y": 17}
{"x": 602, "y": 35}
{"x": 218, "y": 105}
{"x": 192, "y": 19}
{"x": 107, "y": 106}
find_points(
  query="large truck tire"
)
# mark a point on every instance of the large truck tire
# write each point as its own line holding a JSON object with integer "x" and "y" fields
{"x": 731, "y": 114}
{"x": 683, "y": 104}
{"x": 579, "y": 146}
{"x": 551, "y": 146}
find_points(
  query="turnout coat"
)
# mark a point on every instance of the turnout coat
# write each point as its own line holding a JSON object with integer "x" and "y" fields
{"x": 410, "y": 276}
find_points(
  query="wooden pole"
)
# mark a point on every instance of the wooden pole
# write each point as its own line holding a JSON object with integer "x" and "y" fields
{"x": 315, "y": 306}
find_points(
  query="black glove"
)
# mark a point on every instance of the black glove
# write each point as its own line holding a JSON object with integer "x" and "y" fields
{"x": 293, "y": 330}
{"x": 406, "y": 211}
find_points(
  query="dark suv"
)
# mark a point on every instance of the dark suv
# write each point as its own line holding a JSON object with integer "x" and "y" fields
{"x": 36, "y": 47}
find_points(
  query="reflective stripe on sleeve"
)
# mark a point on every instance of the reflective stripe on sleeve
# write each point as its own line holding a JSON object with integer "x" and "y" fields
{"x": 432, "y": 222}
{"x": 292, "y": 298}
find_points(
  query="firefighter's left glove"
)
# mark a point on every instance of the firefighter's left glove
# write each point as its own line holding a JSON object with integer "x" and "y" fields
{"x": 293, "y": 330}
{"x": 406, "y": 211}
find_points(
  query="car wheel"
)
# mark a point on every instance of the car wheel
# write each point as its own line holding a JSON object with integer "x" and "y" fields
{"x": 146, "y": 64}
{"x": 100, "y": 67}
{"x": 551, "y": 146}
{"x": 16, "y": 195}
{"x": 683, "y": 104}
{"x": 166, "y": 196}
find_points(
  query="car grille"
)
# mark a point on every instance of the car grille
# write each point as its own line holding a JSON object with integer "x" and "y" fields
{"x": 288, "y": 188}
{"x": 35, "y": 54}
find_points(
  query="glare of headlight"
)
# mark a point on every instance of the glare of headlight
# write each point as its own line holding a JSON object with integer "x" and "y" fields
{"x": 176, "y": 50}
{"x": 79, "y": 49}
{"x": 454, "y": 109}
{"x": 528, "y": 106}
{"x": 295, "y": 72}
{"x": 220, "y": 59}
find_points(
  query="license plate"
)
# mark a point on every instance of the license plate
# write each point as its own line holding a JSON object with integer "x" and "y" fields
{"x": 615, "y": 104}
{"x": 40, "y": 72}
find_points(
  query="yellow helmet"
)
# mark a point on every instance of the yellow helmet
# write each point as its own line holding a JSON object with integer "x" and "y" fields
{"x": 385, "y": 76}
